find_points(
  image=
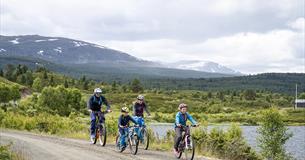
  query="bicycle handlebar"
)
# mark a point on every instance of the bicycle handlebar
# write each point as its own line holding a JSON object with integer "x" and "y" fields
{"x": 185, "y": 126}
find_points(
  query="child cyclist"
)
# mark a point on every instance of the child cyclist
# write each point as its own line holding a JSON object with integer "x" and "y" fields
{"x": 123, "y": 125}
{"x": 181, "y": 117}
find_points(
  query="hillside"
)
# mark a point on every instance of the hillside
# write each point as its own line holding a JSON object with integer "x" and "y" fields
{"x": 75, "y": 57}
{"x": 272, "y": 82}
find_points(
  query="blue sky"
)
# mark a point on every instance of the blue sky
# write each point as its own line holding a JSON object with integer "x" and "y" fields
{"x": 251, "y": 36}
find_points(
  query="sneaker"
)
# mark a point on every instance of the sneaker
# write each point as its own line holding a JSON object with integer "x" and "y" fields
{"x": 123, "y": 147}
{"x": 92, "y": 139}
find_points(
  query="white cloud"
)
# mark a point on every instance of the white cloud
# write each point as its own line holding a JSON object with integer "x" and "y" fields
{"x": 273, "y": 51}
{"x": 247, "y": 35}
{"x": 298, "y": 24}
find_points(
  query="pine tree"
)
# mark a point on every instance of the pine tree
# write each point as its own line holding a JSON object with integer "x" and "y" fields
{"x": 1, "y": 73}
{"x": 136, "y": 86}
{"x": 23, "y": 79}
{"x": 66, "y": 84}
{"x": 45, "y": 75}
{"x": 52, "y": 83}
{"x": 29, "y": 78}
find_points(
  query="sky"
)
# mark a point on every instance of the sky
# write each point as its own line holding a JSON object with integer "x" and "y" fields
{"x": 250, "y": 36}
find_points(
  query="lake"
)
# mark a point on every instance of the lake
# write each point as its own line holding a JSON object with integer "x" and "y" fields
{"x": 295, "y": 145}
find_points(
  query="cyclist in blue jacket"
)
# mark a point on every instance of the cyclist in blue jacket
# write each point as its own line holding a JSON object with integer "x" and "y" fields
{"x": 181, "y": 117}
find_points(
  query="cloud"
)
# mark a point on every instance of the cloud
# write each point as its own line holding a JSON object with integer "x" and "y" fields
{"x": 273, "y": 51}
{"x": 248, "y": 35}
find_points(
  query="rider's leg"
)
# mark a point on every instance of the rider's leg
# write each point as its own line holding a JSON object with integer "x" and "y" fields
{"x": 92, "y": 124}
{"x": 187, "y": 133}
{"x": 178, "y": 137}
{"x": 136, "y": 118}
{"x": 122, "y": 137}
{"x": 141, "y": 123}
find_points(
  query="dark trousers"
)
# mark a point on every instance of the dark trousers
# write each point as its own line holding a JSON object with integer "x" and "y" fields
{"x": 178, "y": 136}
{"x": 93, "y": 117}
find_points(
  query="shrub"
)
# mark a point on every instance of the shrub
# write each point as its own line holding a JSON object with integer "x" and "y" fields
{"x": 273, "y": 136}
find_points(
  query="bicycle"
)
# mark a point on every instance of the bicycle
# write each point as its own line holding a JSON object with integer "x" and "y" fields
{"x": 100, "y": 129}
{"x": 186, "y": 145}
{"x": 132, "y": 140}
{"x": 142, "y": 132}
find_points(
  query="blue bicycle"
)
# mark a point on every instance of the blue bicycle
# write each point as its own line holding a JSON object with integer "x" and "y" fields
{"x": 142, "y": 133}
{"x": 132, "y": 140}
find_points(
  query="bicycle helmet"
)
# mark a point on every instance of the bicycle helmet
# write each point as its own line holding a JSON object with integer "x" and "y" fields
{"x": 140, "y": 97}
{"x": 97, "y": 90}
{"x": 182, "y": 105}
{"x": 125, "y": 109}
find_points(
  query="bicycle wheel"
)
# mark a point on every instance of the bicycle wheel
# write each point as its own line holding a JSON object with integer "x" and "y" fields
{"x": 103, "y": 135}
{"x": 133, "y": 144}
{"x": 96, "y": 135}
{"x": 144, "y": 141}
{"x": 118, "y": 145}
{"x": 180, "y": 149}
{"x": 189, "y": 151}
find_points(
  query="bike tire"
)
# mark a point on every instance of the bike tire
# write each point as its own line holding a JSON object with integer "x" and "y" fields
{"x": 96, "y": 136}
{"x": 190, "y": 153}
{"x": 117, "y": 145}
{"x": 103, "y": 137}
{"x": 133, "y": 144}
{"x": 146, "y": 138}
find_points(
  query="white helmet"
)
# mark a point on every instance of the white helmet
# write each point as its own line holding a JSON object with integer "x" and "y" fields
{"x": 97, "y": 90}
{"x": 140, "y": 97}
{"x": 182, "y": 105}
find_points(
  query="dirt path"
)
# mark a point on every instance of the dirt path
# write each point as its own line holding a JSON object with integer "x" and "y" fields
{"x": 39, "y": 147}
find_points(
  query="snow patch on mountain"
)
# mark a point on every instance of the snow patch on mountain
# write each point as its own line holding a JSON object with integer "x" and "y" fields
{"x": 40, "y": 40}
{"x": 53, "y": 39}
{"x": 204, "y": 66}
{"x": 2, "y": 50}
{"x": 15, "y": 41}
{"x": 58, "y": 49}
{"x": 40, "y": 52}
{"x": 98, "y": 46}
{"x": 79, "y": 44}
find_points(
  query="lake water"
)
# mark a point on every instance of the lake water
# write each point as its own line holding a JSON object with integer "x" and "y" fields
{"x": 295, "y": 145}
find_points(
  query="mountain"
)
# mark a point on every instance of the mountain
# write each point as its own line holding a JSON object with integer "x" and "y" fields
{"x": 75, "y": 57}
{"x": 204, "y": 66}
{"x": 64, "y": 50}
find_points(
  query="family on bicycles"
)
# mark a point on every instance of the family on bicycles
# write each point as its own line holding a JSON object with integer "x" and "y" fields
{"x": 139, "y": 106}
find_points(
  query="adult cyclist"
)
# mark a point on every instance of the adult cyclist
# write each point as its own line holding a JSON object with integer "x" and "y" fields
{"x": 95, "y": 103}
{"x": 138, "y": 111}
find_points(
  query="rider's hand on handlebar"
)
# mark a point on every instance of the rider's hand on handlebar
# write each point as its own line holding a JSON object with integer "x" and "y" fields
{"x": 108, "y": 111}
{"x": 179, "y": 125}
{"x": 89, "y": 110}
{"x": 123, "y": 126}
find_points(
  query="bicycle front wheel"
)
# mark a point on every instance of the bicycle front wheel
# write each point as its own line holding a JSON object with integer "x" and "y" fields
{"x": 189, "y": 150}
{"x": 144, "y": 139}
{"x": 133, "y": 144}
{"x": 103, "y": 135}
